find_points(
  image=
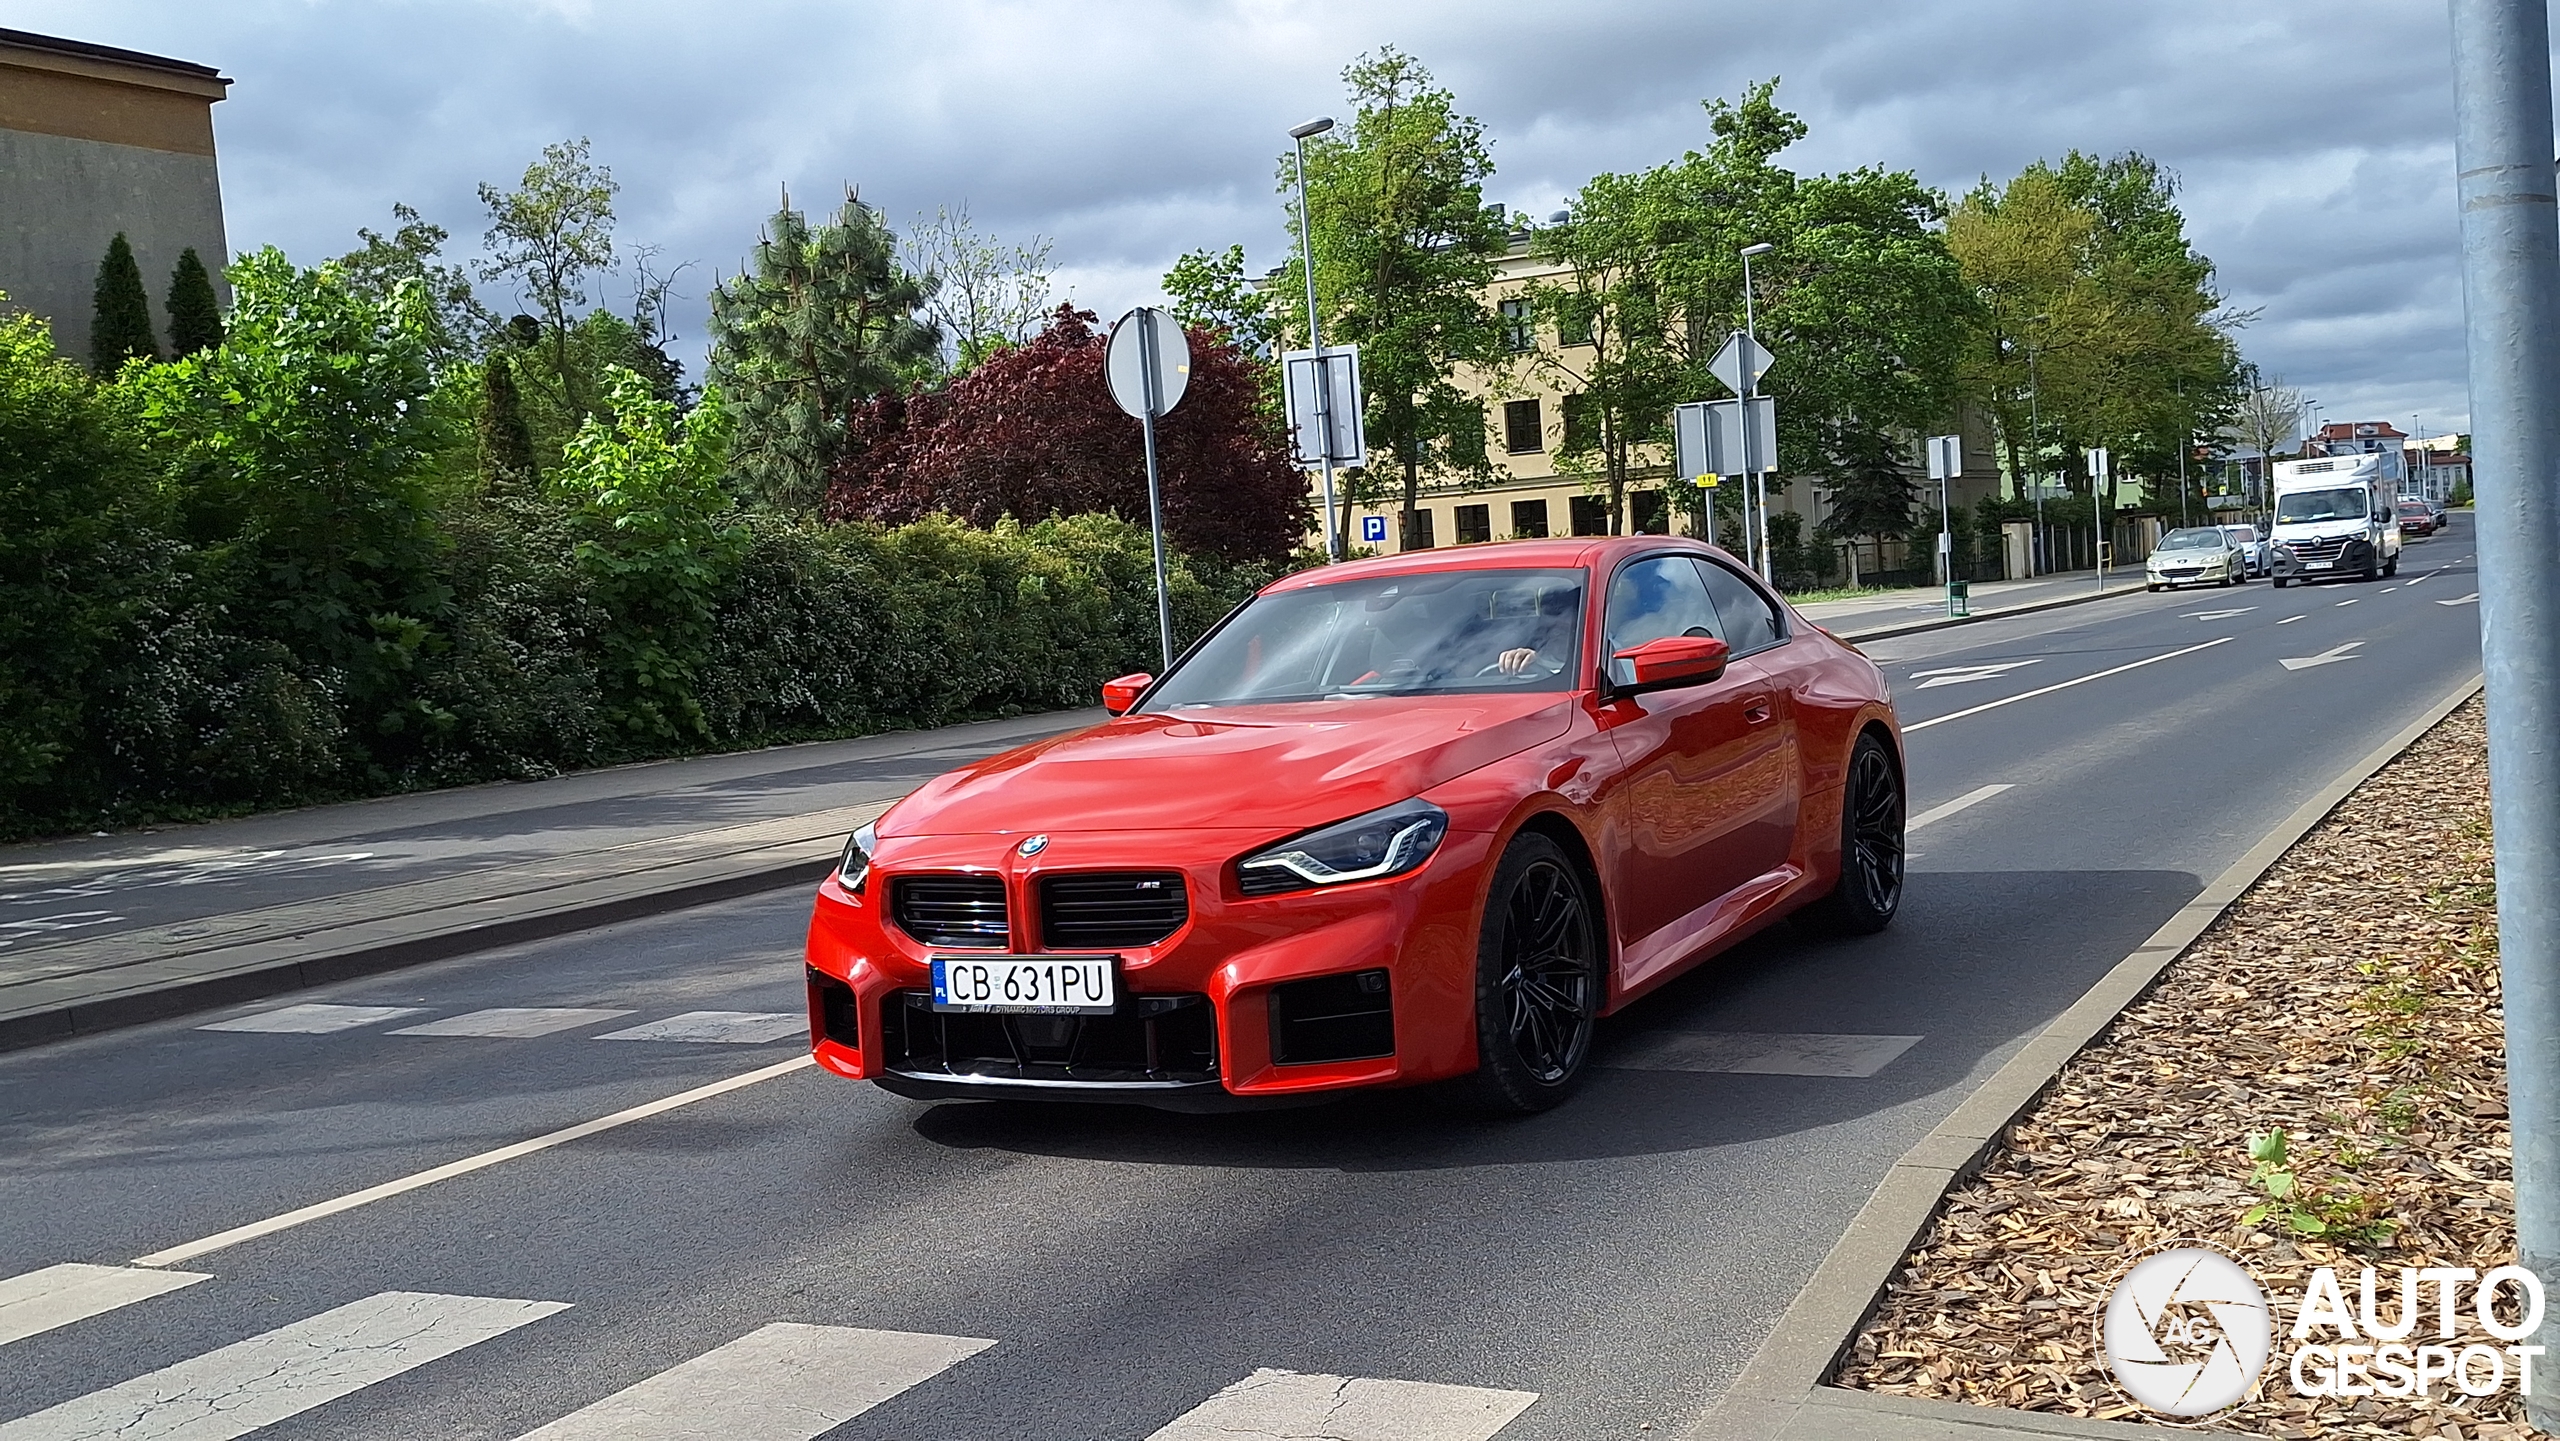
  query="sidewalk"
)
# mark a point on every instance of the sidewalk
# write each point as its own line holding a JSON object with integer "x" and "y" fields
{"x": 1899, "y": 612}
{"x": 98, "y": 932}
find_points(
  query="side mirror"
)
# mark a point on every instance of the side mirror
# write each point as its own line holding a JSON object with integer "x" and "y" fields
{"x": 1673, "y": 660}
{"x": 1119, "y": 695}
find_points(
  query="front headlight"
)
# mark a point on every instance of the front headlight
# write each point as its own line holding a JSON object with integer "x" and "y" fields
{"x": 1388, "y": 841}
{"x": 856, "y": 865}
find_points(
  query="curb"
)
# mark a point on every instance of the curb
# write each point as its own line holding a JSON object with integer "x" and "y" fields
{"x": 1888, "y": 632}
{"x": 1786, "y": 1378}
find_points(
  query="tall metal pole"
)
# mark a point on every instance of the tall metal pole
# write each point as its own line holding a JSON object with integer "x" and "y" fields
{"x": 1315, "y": 341}
{"x": 2039, "y": 562}
{"x": 2511, "y": 302}
{"x": 1755, "y": 488}
{"x": 1146, "y": 322}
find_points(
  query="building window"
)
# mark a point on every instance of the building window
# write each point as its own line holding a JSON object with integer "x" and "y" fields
{"x": 1522, "y": 430}
{"x": 1573, "y": 322}
{"x": 1590, "y": 515}
{"x": 1417, "y": 530}
{"x": 1473, "y": 524}
{"x": 1581, "y": 425}
{"x": 1519, "y": 330}
{"x": 1653, "y": 513}
{"x": 1528, "y": 520}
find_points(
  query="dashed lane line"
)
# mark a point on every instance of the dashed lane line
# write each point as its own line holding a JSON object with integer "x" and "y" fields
{"x": 1969, "y": 799}
{"x": 223, "y": 1240}
{"x": 2063, "y": 685}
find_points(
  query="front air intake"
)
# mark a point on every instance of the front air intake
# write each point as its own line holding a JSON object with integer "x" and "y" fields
{"x": 962, "y": 912}
{"x": 1348, "y": 1017}
{"x": 1111, "y": 911}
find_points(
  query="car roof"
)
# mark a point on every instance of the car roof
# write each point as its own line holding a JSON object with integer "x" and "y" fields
{"x": 1574, "y": 553}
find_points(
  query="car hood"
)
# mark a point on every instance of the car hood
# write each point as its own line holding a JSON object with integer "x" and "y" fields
{"x": 1281, "y": 767}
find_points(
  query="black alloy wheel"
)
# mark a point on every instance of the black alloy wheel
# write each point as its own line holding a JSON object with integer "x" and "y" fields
{"x": 1869, "y": 891}
{"x": 1538, "y": 988}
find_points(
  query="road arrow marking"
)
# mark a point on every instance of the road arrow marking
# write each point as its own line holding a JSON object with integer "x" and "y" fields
{"x": 2471, "y": 599}
{"x": 1959, "y": 674}
{"x": 2050, "y": 689}
{"x": 2219, "y": 614}
{"x": 2326, "y": 657}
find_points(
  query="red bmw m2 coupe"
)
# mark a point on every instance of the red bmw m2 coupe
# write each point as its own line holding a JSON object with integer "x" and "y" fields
{"x": 1403, "y": 820}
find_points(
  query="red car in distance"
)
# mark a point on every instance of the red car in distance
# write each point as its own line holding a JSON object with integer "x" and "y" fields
{"x": 1397, "y": 821}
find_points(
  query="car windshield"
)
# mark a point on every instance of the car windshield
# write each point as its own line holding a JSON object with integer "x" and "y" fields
{"x": 2241, "y": 534}
{"x": 2413, "y": 507}
{"x": 2303, "y": 506}
{"x": 2192, "y": 540}
{"x": 1454, "y": 631}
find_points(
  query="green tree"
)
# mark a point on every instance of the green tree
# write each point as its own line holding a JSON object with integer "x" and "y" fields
{"x": 460, "y": 326}
{"x": 824, "y": 319}
{"x": 983, "y": 295}
{"x": 1212, "y": 292}
{"x": 195, "y": 317}
{"x": 655, "y": 540}
{"x": 549, "y": 234}
{"x": 1405, "y": 247}
{"x": 506, "y": 443}
{"x": 120, "y": 319}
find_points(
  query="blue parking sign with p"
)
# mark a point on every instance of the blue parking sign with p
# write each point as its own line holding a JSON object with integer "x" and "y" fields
{"x": 1373, "y": 529}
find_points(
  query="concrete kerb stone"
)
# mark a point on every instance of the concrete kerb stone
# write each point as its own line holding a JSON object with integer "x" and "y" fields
{"x": 1781, "y": 1391}
{"x": 1888, "y": 632}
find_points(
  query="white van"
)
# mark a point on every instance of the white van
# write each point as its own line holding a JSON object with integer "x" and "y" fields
{"x": 2337, "y": 516}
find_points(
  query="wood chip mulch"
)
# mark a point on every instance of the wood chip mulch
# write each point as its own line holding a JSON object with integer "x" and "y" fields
{"x": 2351, "y": 999}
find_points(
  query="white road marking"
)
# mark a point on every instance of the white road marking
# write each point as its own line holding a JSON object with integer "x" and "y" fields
{"x": 1959, "y": 674}
{"x": 513, "y": 1021}
{"x": 735, "y": 1028}
{"x": 783, "y": 1382}
{"x": 2331, "y": 656}
{"x": 39, "y": 1301}
{"x": 54, "y": 924}
{"x": 1938, "y": 813}
{"x": 2471, "y": 599}
{"x": 2063, "y": 685}
{"x": 2288, "y": 620}
{"x": 238, "y": 1388}
{"x": 2219, "y": 614}
{"x": 314, "y": 1019}
{"x": 2386, "y": 590}
{"x": 1288, "y": 1406}
{"x": 1756, "y": 1054}
{"x": 221, "y": 1240}
{"x": 2430, "y": 575}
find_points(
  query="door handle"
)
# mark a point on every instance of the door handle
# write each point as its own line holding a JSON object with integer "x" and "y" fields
{"x": 1756, "y": 712}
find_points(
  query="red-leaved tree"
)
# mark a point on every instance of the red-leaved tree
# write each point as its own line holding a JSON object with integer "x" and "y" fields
{"x": 1033, "y": 432}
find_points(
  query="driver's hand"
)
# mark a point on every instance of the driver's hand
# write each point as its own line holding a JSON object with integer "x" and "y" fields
{"x": 1513, "y": 662}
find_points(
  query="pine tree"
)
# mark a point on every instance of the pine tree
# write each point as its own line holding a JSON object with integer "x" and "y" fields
{"x": 506, "y": 442}
{"x": 120, "y": 327}
{"x": 195, "y": 317}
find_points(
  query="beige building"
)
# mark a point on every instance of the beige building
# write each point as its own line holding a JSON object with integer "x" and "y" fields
{"x": 1528, "y": 405}
{"x": 95, "y": 140}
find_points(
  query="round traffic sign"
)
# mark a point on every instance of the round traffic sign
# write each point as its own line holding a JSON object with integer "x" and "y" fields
{"x": 1147, "y": 343}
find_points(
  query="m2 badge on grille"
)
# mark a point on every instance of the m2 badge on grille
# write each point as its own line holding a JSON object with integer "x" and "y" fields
{"x": 1027, "y": 985}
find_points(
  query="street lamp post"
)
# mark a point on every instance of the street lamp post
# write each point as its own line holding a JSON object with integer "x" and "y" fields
{"x": 1315, "y": 342}
{"x": 2042, "y": 560}
{"x": 1758, "y": 489}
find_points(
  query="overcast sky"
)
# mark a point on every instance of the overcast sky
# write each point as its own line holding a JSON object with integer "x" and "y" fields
{"x": 2312, "y": 138}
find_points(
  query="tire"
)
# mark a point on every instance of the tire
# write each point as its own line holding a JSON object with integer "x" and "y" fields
{"x": 1538, "y": 979}
{"x": 1872, "y": 846}
{"x": 2152, "y": 588}
{"x": 2280, "y": 582}
{"x": 2226, "y": 581}
{"x": 2392, "y": 567}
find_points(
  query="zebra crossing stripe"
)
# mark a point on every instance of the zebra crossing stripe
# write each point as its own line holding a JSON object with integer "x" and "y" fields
{"x": 238, "y": 1388}
{"x": 783, "y": 1382}
{"x": 514, "y": 1022}
{"x": 39, "y": 1301}
{"x": 1283, "y": 1405}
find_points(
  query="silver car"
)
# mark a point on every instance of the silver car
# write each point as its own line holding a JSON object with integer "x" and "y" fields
{"x": 2198, "y": 555}
{"x": 2256, "y": 549}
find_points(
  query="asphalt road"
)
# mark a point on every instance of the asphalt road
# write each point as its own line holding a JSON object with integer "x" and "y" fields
{"x": 1617, "y": 1259}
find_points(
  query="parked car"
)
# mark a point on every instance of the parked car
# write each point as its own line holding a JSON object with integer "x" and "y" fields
{"x": 1416, "y": 818}
{"x": 2256, "y": 549}
{"x": 2417, "y": 518}
{"x": 2195, "y": 556}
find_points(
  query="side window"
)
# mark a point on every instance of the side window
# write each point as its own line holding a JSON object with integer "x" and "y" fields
{"x": 1750, "y": 621}
{"x": 1654, "y": 598}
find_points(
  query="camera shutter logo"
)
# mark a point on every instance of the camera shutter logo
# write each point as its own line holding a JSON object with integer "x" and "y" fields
{"x": 2187, "y": 1332}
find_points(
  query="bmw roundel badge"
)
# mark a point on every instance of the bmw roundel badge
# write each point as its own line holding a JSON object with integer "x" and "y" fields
{"x": 1034, "y": 846}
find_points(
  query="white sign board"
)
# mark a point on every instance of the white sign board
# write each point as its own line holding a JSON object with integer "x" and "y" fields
{"x": 1147, "y": 339}
{"x": 1946, "y": 457}
{"x": 1707, "y": 438}
{"x": 1336, "y": 374}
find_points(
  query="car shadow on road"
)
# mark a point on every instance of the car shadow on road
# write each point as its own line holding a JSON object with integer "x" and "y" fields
{"x": 1978, "y": 962}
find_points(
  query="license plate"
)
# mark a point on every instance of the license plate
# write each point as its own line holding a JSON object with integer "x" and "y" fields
{"x": 1027, "y": 985}
{"x": 2315, "y": 565}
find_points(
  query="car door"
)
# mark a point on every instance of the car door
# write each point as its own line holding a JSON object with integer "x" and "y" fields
{"x": 1683, "y": 809}
{"x": 1771, "y": 791}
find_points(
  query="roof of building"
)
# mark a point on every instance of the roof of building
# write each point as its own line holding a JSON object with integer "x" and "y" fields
{"x": 2351, "y": 429}
{"x": 85, "y": 50}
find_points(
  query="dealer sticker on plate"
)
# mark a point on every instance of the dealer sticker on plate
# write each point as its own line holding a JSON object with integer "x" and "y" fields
{"x": 1030, "y": 985}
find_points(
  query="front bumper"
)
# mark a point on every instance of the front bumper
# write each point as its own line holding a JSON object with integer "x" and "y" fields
{"x": 1208, "y": 1016}
{"x": 2354, "y": 557}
